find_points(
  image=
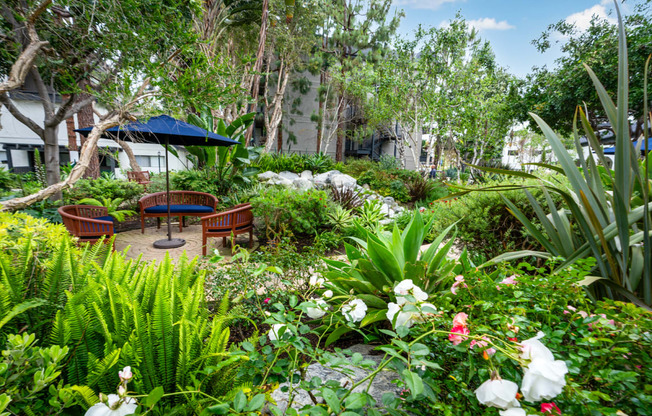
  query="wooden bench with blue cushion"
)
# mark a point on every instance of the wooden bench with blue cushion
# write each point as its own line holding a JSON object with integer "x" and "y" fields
{"x": 89, "y": 223}
{"x": 231, "y": 223}
{"x": 182, "y": 204}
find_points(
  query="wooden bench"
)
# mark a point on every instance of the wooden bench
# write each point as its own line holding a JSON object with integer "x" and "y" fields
{"x": 140, "y": 177}
{"x": 182, "y": 204}
{"x": 237, "y": 220}
{"x": 89, "y": 223}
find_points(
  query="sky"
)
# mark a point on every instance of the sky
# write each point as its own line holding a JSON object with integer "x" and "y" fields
{"x": 510, "y": 25}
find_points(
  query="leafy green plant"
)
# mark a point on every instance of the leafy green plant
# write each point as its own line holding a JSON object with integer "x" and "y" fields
{"x": 7, "y": 180}
{"x": 420, "y": 188}
{"x": 294, "y": 162}
{"x": 340, "y": 218}
{"x": 347, "y": 197}
{"x": 382, "y": 262}
{"x": 151, "y": 317}
{"x": 613, "y": 227}
{"x": 112, "y": 205}
{"x": 370, "y": 216}
{"x": 105, "y": 188}
{"x": 289, "y": 210}
{"x": 28, "y": 380}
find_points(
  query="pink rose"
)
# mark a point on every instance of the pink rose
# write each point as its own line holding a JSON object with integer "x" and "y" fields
{"x": 511, "y": 280}
{"x": 460, "y": 319}
{"x": 266, "y": 301}
{"x": 550, "y": 408}
{"x": 459, "y": 280}
{"x": 457, "y": 339}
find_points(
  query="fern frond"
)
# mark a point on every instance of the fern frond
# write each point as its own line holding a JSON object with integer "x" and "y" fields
{"x": 98, "y": 369}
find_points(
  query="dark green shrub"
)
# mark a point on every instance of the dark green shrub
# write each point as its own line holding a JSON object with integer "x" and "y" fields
{"x": 288, "y": 210}
{"x": 297, "y": 163}
{"x": 102, "y": 188}
{"x": 7, "y": 180}
{"x": 356, "y": 167}
{"x": 386, "y": 184}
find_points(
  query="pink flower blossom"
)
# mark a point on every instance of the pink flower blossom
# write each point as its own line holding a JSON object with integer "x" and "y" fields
{"x": 571, "y": 308}
{"x": 550, "y": 408}
{"x": 125, "y": 374}
{"x": 266, "y": 301}
{"x": 457, "y": 339}
{"x": 460, "y": 319}
{"x": 459, "y": 280}
{"x": 511, "y": 280}
{"x": 583, "y": 314}
{"x": 479, "y": 344}
{"x": 490, "y": 351}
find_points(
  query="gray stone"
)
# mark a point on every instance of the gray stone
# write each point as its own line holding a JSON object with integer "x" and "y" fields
{"x": 267, "y": 176}
{"x": 306, "y": 174}
{"x": 346, "y": 376}
{"x": 385, "y": 209}
{"x": 302, "y": 183}
{"x": 366, "y": 186}
{"x": 343, "y": 181}
{"x": 389, "y": 201}
{"x": 288, "y": 175}
{"x": 324, "y": 179}
{"x": 280, "y": 181}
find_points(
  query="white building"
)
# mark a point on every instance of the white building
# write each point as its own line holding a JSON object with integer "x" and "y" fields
{"x": 18, "y": 142}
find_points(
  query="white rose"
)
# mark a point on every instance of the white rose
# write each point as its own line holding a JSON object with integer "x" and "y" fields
{"x": 318, "y": 311}
{"x": 406, "y": 287}
{"x": 355, "y": 310}
{"x": 498, "y": 393}
{"x": 403, "y": 319}
{"x": 315, "y": 280}
{"x": 275, "y": 332}
{"x": 543, "y": 379}
{"x": 128, "y": 407}
{"x": 532, "y": 349}
{"x": 328, "y": 294}
{"x": 513, "y": 411}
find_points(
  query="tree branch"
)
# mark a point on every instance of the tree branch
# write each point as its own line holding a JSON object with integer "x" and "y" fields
{"x": 68, "y": 110}
{"x": 6, "y": 101}
{"x": 21, "y": 67}
{"x": 43, "y": 93}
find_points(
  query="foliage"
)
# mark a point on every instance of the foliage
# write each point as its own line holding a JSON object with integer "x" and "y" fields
{"x": 224, "y": 167}
{"x": 346, "y": 197}
{"x": 153, "y": 317}
{"x": 18, "y": 229}
{"x": 105, "y": 188}
{"x": 7, "y": 180}
{"x": 553, "y": 94}
{"x": 421, "y": 189}
{"x": 294, "y": 162}
{"x": 291, "y": 211}
{"x": 383, "y": 261}
{"x": 603, "y": 344}
{"x": 356, "y": 167}
{"x": 45, "y": 209}
{"x": 112, "y": 205}
{"x": 29, "y": 375}
{"x": 612, "y": 226}
{"x": 340, "y": 218}
{"x": 485, "y": 225}
{"x": 389, "y": 183}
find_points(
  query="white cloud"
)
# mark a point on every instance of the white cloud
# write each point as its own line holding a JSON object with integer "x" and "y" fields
{"x": 424, "y": 4}
{"x": 582, "y": 20}
{"x": 489, "y": 23}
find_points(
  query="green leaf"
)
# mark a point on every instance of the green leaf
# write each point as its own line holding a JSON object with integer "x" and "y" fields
{"x": 337, "y": 333}
{"x": 331, "y": 399}
{"x": 384, "y": 261}
{"x": 239, "y": 401}
{"x": 256, "y": 403}
{"x": 355, "y": 401}
{"x": 153, "y": 397}
{"x": 413, "y": 382}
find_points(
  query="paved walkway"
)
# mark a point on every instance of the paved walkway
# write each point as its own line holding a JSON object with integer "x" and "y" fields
{"x": 143, "y": 244}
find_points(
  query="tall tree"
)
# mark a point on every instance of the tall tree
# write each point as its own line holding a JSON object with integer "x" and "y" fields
{"x": 554, "y": 93}
{"x": 355, "y": 31}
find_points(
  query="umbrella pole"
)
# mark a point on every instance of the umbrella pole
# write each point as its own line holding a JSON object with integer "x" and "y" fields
{"x": 168, "y": 242}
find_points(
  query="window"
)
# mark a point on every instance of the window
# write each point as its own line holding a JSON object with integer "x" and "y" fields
{"x": 151, "y": 161}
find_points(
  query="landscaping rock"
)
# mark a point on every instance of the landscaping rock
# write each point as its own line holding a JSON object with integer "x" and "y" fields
{"x": 306, "y": 174}
{"x": 385, "y": 209}
{"x": 324, "y": 179}
{"x": 366, "y": 186}
{"x": 302, "y": 183}
{"x": 288, "y": 175}
{"x": 343, "y": 181}
{"x": 381, "y": 384}
{"x": 280, "y": 181}
{"x": 389, "y": 201}
{"x": 267, "y": 176}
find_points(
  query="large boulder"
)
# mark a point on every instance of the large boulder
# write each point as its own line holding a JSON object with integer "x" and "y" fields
{"x": 324, "y": 179}
{"x": 288, "y": 175}
{"x": 280, "y": 181}
{"x": 302, "y": 183}
{"x": 343, "y": 181}
{"x": 265, "y": 176}
{"x": 306, "y": 174}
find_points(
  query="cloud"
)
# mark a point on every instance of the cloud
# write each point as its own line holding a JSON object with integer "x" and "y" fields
{"x": 582, "y": 20}
{"x": 489, "y": 23}
{"x": 424, "y": 4}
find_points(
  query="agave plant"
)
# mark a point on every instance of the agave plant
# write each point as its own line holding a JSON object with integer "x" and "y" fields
{"x": 611, "y": 226}
{"x": 112, "y": 205}
{"x": 380, "y": 262}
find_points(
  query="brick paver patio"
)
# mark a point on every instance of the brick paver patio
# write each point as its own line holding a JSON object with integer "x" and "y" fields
{"x": 142, "y": 244}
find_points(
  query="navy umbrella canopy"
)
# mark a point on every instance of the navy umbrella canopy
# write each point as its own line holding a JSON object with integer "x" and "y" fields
{"x": 165, "y": 130}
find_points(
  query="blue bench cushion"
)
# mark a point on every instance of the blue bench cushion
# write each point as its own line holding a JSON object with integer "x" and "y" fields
{"x": 217, "y": 230}
{"x": 190, "y": 209}
{"x": 105, "y": 218}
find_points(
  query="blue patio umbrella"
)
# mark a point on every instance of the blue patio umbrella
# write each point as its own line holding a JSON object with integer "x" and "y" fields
{"x": 646, "y": 146}
{"x": 167, "y": 131}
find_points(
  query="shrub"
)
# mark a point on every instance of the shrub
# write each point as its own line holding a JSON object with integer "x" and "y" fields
{"x": 356, "y": 167}
{"x": 287, "y": 210}
{"x": 105, "y": 188}
{"x": 7, "y": 180}
{"x": 348, "y": 198}
{"x": 17, "y": 229}
{"x": 297, "y": 163}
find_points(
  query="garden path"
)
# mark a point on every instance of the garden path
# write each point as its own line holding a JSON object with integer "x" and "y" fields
{"x": 142, "y": 244}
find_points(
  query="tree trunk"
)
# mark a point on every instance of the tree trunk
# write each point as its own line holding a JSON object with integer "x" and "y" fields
{"x": 258, "y": 65}
{"x": 85, "y": 118}
{"x": 339, "y": 147}
{"x": 130, "y": 154}
{"x": 273, "y": 121}
{"x": 51, "y": 154}
{"x": 320, "y": 119}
